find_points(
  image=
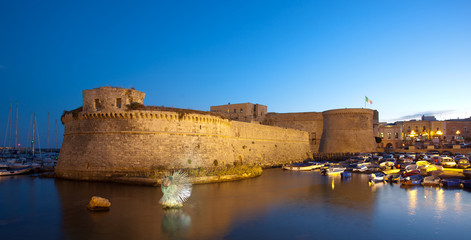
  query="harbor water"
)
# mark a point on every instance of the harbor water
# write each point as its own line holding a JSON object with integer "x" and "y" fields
{"x": 277, "y": 205}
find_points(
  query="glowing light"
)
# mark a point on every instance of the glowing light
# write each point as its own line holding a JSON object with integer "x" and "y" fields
{"x": 439, "y": 132}
{"x": 333, "y": 185}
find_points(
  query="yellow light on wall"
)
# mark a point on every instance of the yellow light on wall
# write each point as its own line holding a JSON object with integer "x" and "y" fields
{"x": 439, "y": 132}
{"x": 458, "y": 132}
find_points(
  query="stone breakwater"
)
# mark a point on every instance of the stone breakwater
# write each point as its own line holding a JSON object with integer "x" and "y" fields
{"x": 105, "y": 145}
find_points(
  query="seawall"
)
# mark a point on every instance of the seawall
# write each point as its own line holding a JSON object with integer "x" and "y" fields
{"x": 98, "y": 146}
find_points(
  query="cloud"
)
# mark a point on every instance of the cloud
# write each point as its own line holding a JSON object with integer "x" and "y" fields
{"x": 426, "y": 113}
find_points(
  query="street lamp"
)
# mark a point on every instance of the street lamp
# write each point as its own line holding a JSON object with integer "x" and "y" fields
{"x": 458, "y": 135}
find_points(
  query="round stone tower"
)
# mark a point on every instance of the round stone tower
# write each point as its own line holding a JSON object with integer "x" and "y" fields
{"x": 348, "y": 130}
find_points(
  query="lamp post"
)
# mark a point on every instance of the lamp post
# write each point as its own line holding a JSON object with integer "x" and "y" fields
{"x": 458, "y": 136}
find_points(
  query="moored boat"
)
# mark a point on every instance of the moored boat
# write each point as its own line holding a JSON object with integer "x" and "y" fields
{"x": 15, "y": 171}
{"x": 391, "y": 171}
{"x": 467, "y": 173}
{"x": 376, "y": 177}
{"x": 360, "y": 168}
{"x": 412, "y": 180}
{"x": 346, "y": 174}
{"x": 333, "y": 171}
{"x": 393, "y": 177}
{"x": 452, "y": 182}
{"x": 300, "y": 167}
{"x": 431, "y": 181}
{"x": 466, "y": 183}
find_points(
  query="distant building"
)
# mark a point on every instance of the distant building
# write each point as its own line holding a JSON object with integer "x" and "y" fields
{"x": 246, "y": 112}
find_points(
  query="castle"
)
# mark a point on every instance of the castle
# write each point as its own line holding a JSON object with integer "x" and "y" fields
{"x": 113, "y": 133}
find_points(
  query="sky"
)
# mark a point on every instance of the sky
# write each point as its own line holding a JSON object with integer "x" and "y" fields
{"x": 411, "y": 58}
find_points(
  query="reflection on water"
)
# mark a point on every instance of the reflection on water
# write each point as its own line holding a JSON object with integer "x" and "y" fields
{"x": 175, "y": 223}
{"x": 278, "y": 205}
{"x": 412, "y": 194}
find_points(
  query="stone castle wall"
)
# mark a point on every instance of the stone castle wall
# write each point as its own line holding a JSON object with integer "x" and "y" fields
{"x": 100, "y": 145}
{"x": 348, "y": 130}
{"x": 311, "y": 122}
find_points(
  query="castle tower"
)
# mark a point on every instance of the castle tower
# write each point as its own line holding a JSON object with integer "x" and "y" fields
{"x": 110, "y": 99}
{"x": 348, "y": 130}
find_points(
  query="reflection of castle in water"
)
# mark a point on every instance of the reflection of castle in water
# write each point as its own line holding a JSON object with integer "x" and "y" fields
{"x": 213, "y": 209}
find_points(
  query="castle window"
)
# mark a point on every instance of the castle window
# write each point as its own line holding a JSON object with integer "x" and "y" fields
{"x": 97, "y": 105}
{"x": 389, "y": 135}
{"x": 241, "y": 110}
{"x": 235, "y": 110}
{"x": 118, "y": 102}
{"x": 396, "y": 135}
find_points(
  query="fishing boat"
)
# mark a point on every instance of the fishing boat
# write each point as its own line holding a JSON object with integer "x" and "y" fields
{"x": 333, "y": 171}
{"x": 431, "y": 181}
{"x": 452, "y": 182}
{"x": 300, "y": 167}
{"x": 16, "y": 171}
{"x": 376, "y": 177}
{"x": 412, "y": 180}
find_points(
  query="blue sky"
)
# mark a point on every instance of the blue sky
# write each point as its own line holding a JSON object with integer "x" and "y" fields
{"x": 409, "y": 57}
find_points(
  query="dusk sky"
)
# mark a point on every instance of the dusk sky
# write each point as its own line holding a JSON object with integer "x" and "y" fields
{"x": 409, "y": 57}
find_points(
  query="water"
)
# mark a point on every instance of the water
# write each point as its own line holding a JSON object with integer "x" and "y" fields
{"x": 277, "y": 205}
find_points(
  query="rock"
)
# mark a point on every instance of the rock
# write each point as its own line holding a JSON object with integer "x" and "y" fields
{"x": 99, "y": 204}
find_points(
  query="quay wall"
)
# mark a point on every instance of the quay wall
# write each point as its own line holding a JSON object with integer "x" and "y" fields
{"x": 99, "y": 145}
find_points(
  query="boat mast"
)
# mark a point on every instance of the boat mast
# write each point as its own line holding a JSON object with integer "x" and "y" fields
{"x": 34, "y": 127}
{"x": 48, "y": 146}
{"x": 16, "y": 129}
{"x": 9, "y": 123}
{"x": 55, "y": 136}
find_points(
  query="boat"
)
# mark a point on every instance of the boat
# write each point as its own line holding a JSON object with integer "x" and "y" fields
{"x": 376, "y": 177}
{"x": 466, "y": 183}
{"x": 393, "y": 177}
{"x": 16, "y": 171}
{"x": 300, "y": 167}
{"x": 467, "y": 173}
{"x": 346, "y": 174}
{"x": 391, "y": 171}
{"x": 360, "y": 168}
{"x": 431, "y": 181}
{"x": 412, "y": 180}
{"x": 316, "y": 165}
{"x": 411, "y": 173}
{"x": 452, "y": 182}
{"x": 333, "y": 171}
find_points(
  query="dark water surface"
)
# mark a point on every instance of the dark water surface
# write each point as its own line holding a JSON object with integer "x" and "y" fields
{"x": 278, "y": 205}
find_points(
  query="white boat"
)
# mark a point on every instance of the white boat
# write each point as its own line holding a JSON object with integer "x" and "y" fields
{"x": 376, "y": 177}
{"x": 15, "y": 171}
{"x": 360, "y": 168}
{"x": 333, "y": 171}
{"x": 301, "y": 167}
